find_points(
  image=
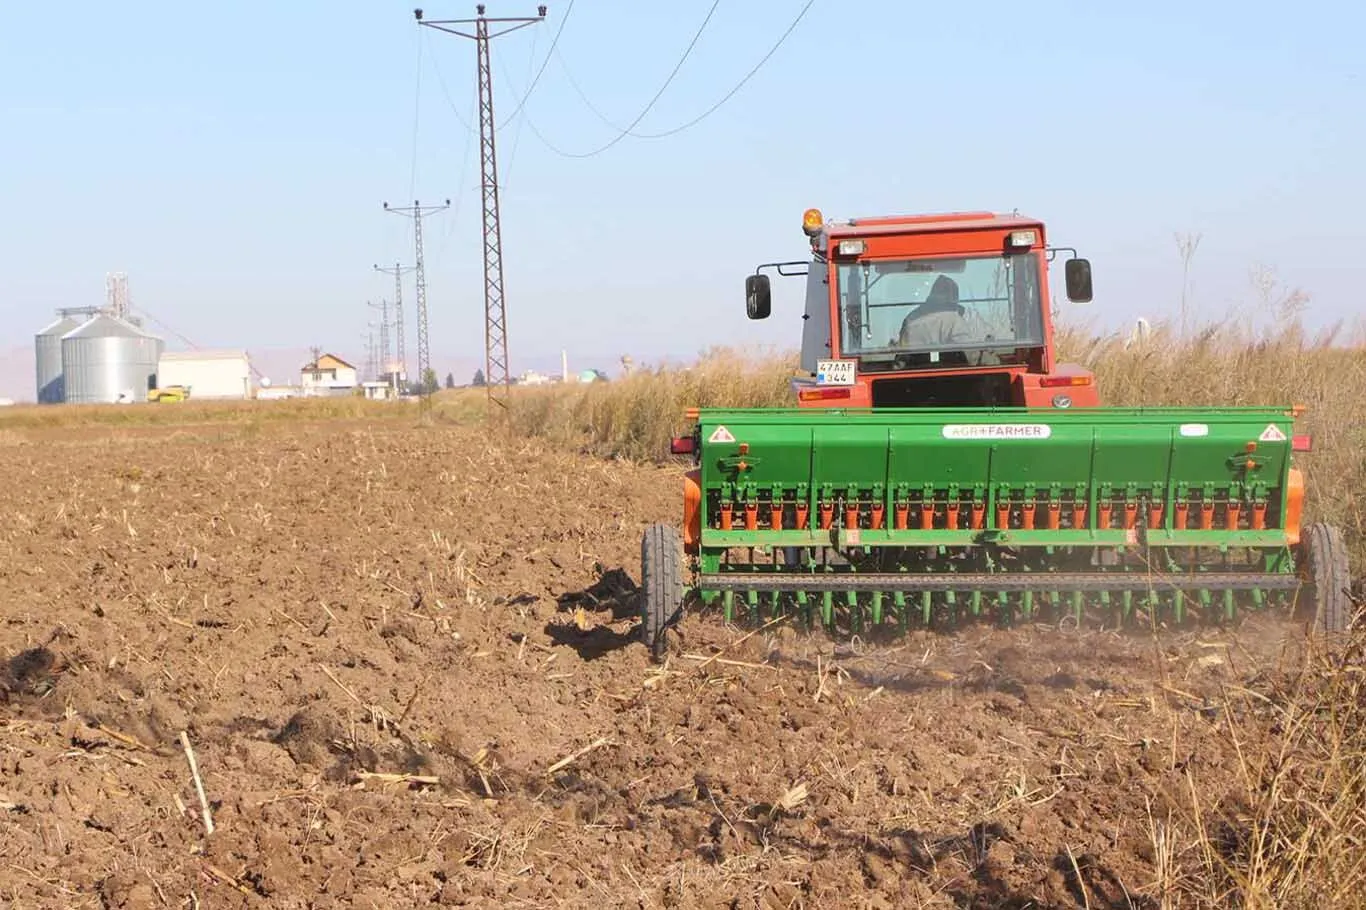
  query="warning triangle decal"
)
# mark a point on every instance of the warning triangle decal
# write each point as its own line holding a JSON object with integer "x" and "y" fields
{"x": 1272, "y": 433}
{"x": 720, "y": 434}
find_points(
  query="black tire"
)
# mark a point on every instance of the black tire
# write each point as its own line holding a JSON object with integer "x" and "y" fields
{"x": 1327, "y": 579}
{"x": 661, "y": 585}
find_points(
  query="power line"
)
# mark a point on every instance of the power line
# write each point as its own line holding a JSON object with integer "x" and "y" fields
{"x": 417, "y": 112}
{"x": 554, "y": 42}
{"x": 739, "y": 85}
{"x": 517, "y": 135}
{"x": 645, "y": 110}
{"x": 578, "y": 90}
{"x": 456, "y": 207}
{"x": 629, "y": 131}
{"x": 441, "y": 80}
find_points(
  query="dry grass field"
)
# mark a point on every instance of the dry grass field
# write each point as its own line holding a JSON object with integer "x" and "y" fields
{"x": 392, "y": 665}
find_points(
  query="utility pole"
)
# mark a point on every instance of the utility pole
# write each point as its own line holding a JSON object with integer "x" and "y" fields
{"x": 417, "y": 212}
{"x": 401, "y": 349}
{"x": 369, "y": 373}
{"x": 495, "y": 313}
{"x": 384, "y": 361}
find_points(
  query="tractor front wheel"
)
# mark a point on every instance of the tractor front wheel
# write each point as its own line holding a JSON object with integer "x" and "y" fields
{"x": 661, "y": 585}
{"x": 1327, "y": 579}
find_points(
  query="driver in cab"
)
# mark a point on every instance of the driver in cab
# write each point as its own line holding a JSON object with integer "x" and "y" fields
{"x": 938, "y": 321}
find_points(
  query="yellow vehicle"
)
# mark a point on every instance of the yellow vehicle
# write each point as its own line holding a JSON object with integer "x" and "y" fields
{"x": 170, "y": 393}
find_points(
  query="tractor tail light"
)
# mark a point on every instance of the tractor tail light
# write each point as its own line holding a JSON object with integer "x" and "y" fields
{"x": 1302, "y": 442}
{"x": 682, "y": 445}
{"x": 825, "y": 394}
{"x": 1053, "y": 382}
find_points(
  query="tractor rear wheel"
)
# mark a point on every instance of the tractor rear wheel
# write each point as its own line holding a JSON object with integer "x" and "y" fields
{"x": 661, "y": 585}
{"x": 1327, "y": 580}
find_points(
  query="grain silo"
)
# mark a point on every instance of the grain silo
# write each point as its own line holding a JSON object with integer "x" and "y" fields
{"x": 107, "y": 360}
{"x": 47, "y": 346}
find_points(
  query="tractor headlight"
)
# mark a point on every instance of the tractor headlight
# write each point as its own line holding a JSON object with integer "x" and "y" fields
{"x": 1062, "y": 401}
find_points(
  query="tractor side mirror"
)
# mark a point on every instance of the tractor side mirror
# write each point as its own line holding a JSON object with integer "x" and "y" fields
{"x": 1078, "y": 275}
{"x": 758, "y": 297}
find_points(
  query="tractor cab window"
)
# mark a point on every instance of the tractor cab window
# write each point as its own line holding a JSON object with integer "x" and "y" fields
{"x": 899, "y": 314}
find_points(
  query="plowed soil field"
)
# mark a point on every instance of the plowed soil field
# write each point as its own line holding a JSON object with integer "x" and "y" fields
{"x": 402, "y": 659}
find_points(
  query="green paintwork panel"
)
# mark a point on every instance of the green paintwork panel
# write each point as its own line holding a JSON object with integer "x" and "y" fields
{"x": 995, "y": 456}
{"x": 778, "y": 454}
{"x": 849, "y": 455}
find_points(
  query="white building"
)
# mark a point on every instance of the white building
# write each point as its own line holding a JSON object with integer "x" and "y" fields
{"x": 379, "y": 391}
{"x": 328, "y": 375}
{"x": 207, "y": 374}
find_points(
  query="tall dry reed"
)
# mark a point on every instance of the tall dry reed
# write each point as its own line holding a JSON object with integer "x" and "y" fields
{"x": 1227, "y": 364}
{"x": 636, "y": 416}
{"x": 1285, "y": 829}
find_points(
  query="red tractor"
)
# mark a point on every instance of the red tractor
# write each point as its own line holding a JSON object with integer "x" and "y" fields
{"x": 948, "y": 310}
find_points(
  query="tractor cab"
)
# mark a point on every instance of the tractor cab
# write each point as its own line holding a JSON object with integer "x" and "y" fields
{"x": 944, "y": 310}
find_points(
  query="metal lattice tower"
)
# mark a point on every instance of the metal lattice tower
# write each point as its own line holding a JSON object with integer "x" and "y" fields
{"x": 369, "y": 373}
{"x": 116, "y": 294}
{"x": 386, "y": 363}
{"x": 496, "y": 373}
{"x": 417, "y": 212}
{"x": 401, "y": 346}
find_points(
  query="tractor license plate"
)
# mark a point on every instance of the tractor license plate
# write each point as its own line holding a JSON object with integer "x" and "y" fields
{"x": 835, "y": 372}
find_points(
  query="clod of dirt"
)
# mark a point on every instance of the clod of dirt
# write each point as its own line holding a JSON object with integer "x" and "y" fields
{"x": 614, "y": 588}
{"x": 308, "y": 737}
{"x": 124, "y": 892}
{"x": 31, "y": 672}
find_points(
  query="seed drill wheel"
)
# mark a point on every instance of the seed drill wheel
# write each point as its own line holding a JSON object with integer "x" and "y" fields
{"x": 1327, "y": 580}
{"x": 661, "y": 583}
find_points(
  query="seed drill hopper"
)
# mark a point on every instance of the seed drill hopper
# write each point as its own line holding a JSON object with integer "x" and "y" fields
{"x": 939, "y": 465}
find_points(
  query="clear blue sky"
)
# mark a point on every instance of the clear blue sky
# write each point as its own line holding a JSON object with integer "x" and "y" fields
{"x": 232, "y": 158}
